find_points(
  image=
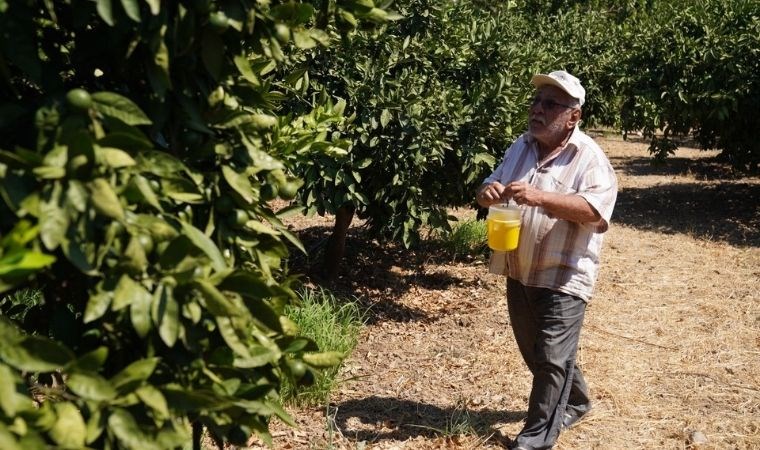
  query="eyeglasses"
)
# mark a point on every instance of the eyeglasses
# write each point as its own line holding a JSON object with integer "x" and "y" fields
{"x": 548, "y": 103}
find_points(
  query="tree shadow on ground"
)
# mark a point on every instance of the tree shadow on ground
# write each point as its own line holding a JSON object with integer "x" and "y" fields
{"x": 703, "y": 169}
{"x": 377, "y": 274}
{"x": 719, "y": 212}
{"x": 386, "y": 418}
{"x": 718, "y": 209}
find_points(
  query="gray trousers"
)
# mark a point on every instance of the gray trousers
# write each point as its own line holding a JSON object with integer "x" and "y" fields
{"x": 547, "y": 326}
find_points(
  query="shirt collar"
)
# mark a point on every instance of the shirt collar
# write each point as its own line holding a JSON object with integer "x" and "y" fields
{"x": 574, "y": 140}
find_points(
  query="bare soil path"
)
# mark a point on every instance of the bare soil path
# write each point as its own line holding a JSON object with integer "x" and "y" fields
{"x": 670, "y": 347}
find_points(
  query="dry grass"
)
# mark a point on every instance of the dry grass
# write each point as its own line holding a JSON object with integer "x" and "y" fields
{"x": 671, "y": 344}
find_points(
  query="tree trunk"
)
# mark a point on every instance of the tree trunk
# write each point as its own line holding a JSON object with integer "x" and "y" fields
{"x": 336, "y": 245}
{"x": 197, "y": 435}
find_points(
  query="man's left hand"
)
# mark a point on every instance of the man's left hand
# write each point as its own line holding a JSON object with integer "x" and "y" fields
{"x": 524, "y": 193}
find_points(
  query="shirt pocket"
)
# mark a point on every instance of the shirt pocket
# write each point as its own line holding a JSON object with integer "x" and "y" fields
{"x": 550, "y": 223}
{"x": 560, "y": 187}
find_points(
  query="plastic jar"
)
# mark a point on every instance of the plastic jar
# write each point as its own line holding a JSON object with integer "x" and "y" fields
{"x": 503, "y": 224}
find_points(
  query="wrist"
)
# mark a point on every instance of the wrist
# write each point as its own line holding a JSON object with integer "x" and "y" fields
{"x": 542, "y": 199}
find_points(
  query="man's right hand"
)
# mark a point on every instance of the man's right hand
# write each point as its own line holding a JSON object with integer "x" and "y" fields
{"x": 490, "y": 193}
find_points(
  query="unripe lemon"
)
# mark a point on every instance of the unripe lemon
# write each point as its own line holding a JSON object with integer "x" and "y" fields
{"x": 289, "y": 190}
{"x": 79, "y": 99}
{"x": 240, "y": 217}
{"x": 297, "y": 368}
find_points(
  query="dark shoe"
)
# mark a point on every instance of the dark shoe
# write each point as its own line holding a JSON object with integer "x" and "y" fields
{"x": 515, "y": 446}
{"x": 572, "y": 417}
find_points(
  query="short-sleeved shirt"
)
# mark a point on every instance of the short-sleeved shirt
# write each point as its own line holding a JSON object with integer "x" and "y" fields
{"x": 555, "y": 253}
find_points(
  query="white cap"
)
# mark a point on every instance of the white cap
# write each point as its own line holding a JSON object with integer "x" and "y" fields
{"x": 562, "y": 80}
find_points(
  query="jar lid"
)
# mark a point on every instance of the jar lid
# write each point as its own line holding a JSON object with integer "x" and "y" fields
{"x": 504, "y": 211}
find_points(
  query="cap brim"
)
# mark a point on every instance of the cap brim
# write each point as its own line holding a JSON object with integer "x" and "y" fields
{"x": 539, "y": 80}
{"x": 542, "y": 80}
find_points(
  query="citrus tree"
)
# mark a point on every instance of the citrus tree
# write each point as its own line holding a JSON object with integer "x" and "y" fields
{"x": 695, "y": 71}
{"x": 433, "y": 101}
{"x": 144, "y": 140}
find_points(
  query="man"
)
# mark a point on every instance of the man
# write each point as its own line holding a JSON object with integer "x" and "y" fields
{"x": 566, "y": 189}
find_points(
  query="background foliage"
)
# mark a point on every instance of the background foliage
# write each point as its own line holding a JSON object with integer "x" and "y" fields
{"x": 430, "y": 100}
{"x": 698, "y": 75}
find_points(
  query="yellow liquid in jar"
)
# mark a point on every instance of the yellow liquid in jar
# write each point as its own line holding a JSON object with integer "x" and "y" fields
{"x": 503, "y": 235}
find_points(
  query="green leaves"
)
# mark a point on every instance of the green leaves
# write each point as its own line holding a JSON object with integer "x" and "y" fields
{"x": 216, "y": 302}
{"x": 139, "y": 314}
{"x": 17, "y": 261}
{"x": 187, "y": 297}
{"x": 127, "y": 292}
{"x": 105, "y": 10}
{"x": 119, "y": 107}
{"x": 134, "y": 375}
{"x": 69, "y": 430}
{"x": 91, "y": 386}
{"x": 53, "y": 221}
{"x": 165, "y": 314}
{"x": 686, "y": 90}
{"x": 424, "y": 104}
{"x": 324, "y": 359}
{"x": 203, "y": 243}
{"x": 35, "y": 354}
{"x": 155, "y": 6}
{"x": 132, "y": 8}
{"x": 104, "y": 199}
{"x": 128, "y": 432}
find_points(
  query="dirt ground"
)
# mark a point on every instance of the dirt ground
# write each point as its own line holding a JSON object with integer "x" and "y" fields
{"x": 670, "y": 347}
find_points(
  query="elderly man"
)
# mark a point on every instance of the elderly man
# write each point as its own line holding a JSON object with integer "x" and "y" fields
{"x": 566, "y": 189}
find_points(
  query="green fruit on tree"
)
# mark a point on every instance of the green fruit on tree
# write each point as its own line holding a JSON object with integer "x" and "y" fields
{"x": 289, "y": 190}
{"x": 297, "y": 368}
{"x": 219, "y": 21}
{"x": 268, "y": 192}
{"x": 79, "y": 99}
{"x": 240, "y": 217}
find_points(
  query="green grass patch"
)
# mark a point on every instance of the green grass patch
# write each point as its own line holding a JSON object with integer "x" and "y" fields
{"x": 459, "y": 423}
{"x": 334, "y": 324}
{"x": 466, "y": 239}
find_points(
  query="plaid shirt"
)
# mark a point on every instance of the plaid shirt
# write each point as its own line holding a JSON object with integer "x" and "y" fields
{"x": 556, "y": 253}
